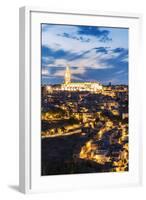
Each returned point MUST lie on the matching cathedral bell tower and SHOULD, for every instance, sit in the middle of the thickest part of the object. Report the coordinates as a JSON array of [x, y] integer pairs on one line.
[[67, 78]]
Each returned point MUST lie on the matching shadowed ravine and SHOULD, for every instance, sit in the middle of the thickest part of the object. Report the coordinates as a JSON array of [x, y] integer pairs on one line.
[[60, 156]]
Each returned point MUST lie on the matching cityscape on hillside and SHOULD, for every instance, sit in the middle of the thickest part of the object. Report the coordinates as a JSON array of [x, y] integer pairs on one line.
[[84, 120]]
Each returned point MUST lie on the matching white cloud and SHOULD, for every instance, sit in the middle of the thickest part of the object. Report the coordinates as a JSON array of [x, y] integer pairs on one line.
[[119, 72], [45, 71], [51, 39], [92, 59]]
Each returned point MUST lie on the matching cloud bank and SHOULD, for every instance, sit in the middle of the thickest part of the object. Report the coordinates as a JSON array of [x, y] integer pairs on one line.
[[93, 53]]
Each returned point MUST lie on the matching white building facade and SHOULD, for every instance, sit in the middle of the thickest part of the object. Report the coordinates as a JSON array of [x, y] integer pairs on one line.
[[78, 86]]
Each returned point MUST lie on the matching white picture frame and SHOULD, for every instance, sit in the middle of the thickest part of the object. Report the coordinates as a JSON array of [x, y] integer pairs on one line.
[[29, 145]]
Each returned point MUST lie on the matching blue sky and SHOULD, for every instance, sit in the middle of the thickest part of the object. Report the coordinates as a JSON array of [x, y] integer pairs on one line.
[[93, 53]]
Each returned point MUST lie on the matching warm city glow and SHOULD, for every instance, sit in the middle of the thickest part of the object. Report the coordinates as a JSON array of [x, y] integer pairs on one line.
[[97, 117]]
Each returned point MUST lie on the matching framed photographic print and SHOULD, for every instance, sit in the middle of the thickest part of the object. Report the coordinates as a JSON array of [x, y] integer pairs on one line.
[[79, 100]]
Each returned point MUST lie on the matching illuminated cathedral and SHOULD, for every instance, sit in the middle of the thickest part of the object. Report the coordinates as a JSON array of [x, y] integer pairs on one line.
[[78, 86]]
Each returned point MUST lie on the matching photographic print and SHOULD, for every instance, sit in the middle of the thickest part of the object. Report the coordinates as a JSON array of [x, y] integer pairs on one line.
[[84, 99]]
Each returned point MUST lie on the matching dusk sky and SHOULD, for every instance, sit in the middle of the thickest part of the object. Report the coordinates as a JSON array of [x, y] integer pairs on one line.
[[93, 53]]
